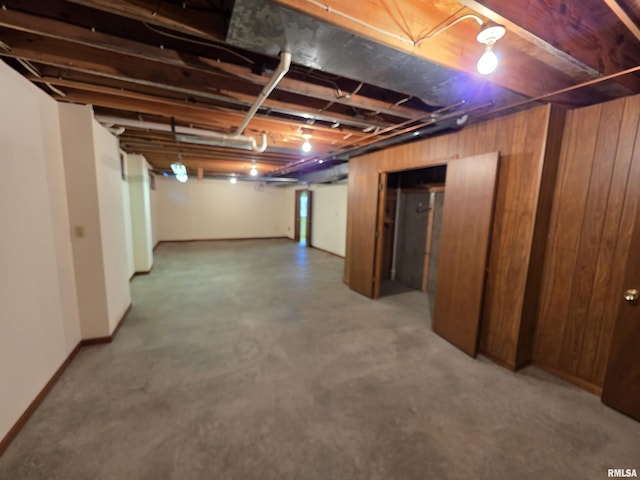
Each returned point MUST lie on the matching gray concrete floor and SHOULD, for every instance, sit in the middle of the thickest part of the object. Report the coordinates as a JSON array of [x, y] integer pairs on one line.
[[251, 360]]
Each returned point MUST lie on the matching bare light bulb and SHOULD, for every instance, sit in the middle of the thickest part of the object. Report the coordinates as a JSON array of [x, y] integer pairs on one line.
[[253, 172], [233, 180], [488, 61], [306, 146]]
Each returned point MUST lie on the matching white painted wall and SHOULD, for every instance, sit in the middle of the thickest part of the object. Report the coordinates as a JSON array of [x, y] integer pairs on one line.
[[97, 209], [113, 196], [140, 203], [153, 199], [80, 172], [128, 221], [39, 321], [329, 218], [216, 209]]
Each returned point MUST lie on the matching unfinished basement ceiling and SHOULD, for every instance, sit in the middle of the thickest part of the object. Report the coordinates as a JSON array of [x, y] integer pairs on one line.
[[264, 27], [352, 86]]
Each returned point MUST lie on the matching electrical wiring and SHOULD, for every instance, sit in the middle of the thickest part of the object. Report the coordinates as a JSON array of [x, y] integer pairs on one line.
[[198, 42]]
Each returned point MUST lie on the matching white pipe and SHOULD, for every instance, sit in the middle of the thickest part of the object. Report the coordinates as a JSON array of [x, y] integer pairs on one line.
[[224, 140], [162, 127], [281, 71]]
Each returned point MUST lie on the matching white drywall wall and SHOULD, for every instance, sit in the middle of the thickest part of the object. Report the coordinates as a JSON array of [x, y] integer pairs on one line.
[[216, 209], [140, 204], [153, 195], [329, 218], [97, 206], [80, 174], [113, 197], [128, 221], [38, 313]]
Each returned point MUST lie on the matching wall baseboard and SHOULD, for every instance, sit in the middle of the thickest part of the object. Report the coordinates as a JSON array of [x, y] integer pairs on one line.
[[498, 361], [281, 237], [327, 251], [141, 273], [33, 406], [578, 382], [109, 338]]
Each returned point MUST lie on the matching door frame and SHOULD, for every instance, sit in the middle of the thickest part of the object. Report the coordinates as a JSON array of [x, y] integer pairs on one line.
[[378, 249], [429, 241], [442, 328], [297, 218], [379, 236]]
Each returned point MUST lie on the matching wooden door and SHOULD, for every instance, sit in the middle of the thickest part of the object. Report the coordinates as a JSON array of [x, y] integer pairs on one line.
[[379, 246], [621, 388], [464, 247], [309, 218]]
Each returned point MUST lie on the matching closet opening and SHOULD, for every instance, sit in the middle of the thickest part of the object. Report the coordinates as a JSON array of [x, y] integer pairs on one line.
[[413, 207]]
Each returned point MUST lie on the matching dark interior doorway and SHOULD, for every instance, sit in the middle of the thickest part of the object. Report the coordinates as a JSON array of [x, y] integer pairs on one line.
[[411, 233]]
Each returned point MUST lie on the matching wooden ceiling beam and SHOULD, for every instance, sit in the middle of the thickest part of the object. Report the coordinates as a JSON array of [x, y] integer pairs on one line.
[[246, 101], [221, 121], [578, 43], [622, 13], [154, 140], [188, 149], [163, 163], [57, 30], [402, 25], [202, 24], [328, 94]]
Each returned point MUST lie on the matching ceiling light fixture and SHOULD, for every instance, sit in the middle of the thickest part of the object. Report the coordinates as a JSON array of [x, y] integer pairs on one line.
[[306, 146], [254, 171], [180, 170], [489, 35], [233, 180]]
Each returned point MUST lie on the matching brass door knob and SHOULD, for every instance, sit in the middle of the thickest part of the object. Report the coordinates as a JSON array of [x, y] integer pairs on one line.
[[631, 295]]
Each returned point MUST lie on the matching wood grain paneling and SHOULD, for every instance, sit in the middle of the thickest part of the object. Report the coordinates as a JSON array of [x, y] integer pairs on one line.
[[466, 232], [545, 199], [361, 227], [590, 230], [379, 251], [521, 139]]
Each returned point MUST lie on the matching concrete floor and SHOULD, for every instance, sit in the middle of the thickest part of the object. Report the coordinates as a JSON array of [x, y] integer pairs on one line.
[[252, 360]]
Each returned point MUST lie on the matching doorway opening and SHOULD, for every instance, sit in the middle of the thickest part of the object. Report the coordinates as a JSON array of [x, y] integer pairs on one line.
[[303, 217], [302, 234], [411, 230]]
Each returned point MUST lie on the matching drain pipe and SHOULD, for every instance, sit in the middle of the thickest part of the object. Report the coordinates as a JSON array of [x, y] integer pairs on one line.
[[281, 71], [189, 134], [201, 136]]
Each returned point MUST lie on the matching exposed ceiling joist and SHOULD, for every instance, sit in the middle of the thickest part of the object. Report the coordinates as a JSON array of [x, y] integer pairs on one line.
[[405, 24], [622, 12], [57, 30], [232, 97], [203, 24], [109, 44], [371, 75], [578, 43]]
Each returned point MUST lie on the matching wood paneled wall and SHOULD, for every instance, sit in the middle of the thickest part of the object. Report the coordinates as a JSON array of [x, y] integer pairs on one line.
[[528, 143], [591, 225]]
